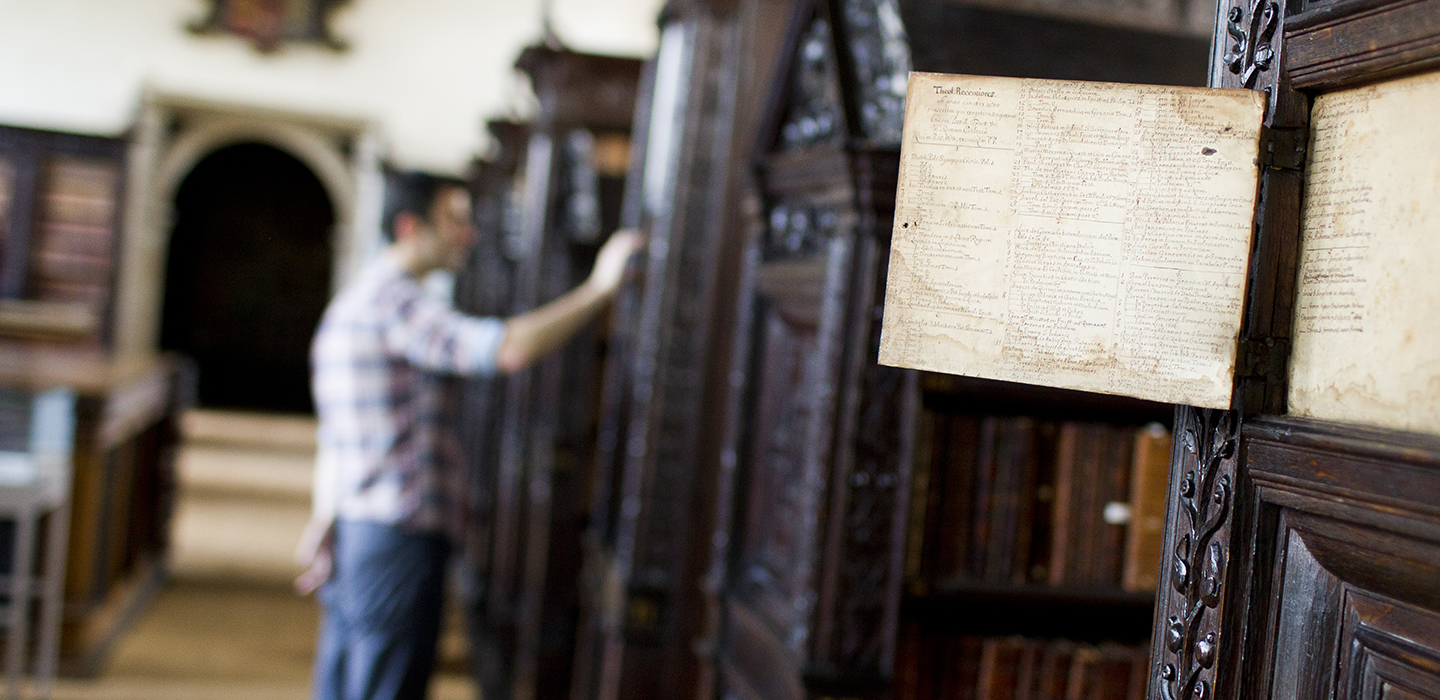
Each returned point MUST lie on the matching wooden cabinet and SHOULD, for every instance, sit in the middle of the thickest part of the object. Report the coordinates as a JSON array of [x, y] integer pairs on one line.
[[766, 505], [820, 435], [61, 199], [818, 508], [1300, 554], [485, 287], [572, 171], [649, 540]]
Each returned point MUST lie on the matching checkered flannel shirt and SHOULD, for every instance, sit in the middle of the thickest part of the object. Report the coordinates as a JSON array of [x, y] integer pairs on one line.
[[387, 450]]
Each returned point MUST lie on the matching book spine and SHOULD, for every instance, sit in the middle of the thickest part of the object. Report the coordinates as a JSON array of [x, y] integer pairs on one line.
[[1055, 670], [1000, 667], [919, 534], [1080, 685], [986, 461], [1115, 510], [1037, 565], [1087, 505], [961, 440], [1149, 488], [1070, 444], [1004, 497], [962, 669], [1023, 521]]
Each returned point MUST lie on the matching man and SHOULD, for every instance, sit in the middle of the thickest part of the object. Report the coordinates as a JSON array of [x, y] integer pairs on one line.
[[389, 484]]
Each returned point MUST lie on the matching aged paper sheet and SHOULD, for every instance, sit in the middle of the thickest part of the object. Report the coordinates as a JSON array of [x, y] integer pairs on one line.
[[1089, 236], [1367, 317]]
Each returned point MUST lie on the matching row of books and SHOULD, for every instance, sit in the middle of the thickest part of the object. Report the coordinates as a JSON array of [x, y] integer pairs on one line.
[[1017, 668], [1013, 500]]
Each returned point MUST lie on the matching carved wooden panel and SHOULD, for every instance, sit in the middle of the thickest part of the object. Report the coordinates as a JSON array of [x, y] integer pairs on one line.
[[654, 503], [595, 664], [821, 438], [781, 538], [549, 425], [649, 559], [879, 64], [1344, 600], [1332, 45], [1176, 17], [814, 114], [855, 636], [486, 286], [1196, 564]]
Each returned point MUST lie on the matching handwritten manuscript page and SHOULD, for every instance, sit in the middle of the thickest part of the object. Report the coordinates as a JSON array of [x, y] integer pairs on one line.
[[1088, 236], [1367, 317]]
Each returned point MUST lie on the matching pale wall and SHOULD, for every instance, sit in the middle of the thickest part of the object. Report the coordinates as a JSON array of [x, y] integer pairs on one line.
[[426, 72]]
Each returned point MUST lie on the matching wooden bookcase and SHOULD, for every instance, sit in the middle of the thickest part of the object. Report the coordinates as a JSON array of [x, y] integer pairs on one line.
[[649, 541], [533, 456], [831, 583], [61, 201], [1017, 563], [797, 546], [485, 287], [1301, 553], [61, 198]]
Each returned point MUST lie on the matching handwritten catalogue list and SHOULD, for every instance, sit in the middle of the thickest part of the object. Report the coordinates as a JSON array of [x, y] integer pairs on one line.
[[1368, 292], [1089, 236]]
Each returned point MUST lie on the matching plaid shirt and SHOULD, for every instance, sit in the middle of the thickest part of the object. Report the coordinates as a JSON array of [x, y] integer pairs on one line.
[[387, 449]]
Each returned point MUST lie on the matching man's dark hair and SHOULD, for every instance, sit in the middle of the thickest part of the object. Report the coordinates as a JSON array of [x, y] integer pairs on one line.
[[411, 191]]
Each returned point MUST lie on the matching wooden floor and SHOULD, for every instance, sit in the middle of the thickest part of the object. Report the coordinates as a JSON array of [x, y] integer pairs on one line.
[[228, 626]]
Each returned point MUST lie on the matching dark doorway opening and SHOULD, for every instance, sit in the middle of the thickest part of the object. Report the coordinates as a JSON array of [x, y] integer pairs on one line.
[[248, 276]]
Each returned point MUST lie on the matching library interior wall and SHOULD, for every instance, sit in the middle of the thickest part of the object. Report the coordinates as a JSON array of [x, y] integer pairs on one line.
[[427, 73]]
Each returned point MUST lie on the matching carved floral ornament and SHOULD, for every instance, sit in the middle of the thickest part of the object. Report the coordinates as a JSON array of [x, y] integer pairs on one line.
[[1252, 52], [1197, 565]]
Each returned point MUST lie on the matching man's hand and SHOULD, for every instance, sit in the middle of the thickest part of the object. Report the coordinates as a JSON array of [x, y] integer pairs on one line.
[[535, 333], [614, 256], [316, 552]]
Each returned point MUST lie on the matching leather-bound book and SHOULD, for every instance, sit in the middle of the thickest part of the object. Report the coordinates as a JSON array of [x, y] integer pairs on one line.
[[1036, 568], [1070, 446], [987, 458], [1054, 674], [1110, 673], [960, 669], [1081, 683], [1139, 673], [924, 507], [1088, 505], [908, 654], [1115, 505], [959, 438], [1011, 500], [1000, 667], [1149, 486], [1028, 673]]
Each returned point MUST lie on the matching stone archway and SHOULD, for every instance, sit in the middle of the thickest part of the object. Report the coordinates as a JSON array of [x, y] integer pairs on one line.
[[174, 134], [248, 275]]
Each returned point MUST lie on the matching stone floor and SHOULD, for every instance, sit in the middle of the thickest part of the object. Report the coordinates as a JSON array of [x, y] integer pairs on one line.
[[228, 626]]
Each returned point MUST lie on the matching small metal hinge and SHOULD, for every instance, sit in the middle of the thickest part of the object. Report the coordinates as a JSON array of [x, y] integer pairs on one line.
[[1284, 149]]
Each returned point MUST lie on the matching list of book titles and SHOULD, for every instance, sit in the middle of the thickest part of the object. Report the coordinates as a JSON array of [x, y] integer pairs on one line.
[[1085, 235]]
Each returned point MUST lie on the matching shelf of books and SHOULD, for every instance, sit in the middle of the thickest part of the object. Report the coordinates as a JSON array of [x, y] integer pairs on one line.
[[1034, 545]]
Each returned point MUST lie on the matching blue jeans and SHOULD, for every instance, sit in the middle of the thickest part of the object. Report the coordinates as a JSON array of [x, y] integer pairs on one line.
[[381, 613]]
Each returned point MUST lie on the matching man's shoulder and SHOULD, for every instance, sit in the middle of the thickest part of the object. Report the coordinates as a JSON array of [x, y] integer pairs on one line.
[[379, 285]]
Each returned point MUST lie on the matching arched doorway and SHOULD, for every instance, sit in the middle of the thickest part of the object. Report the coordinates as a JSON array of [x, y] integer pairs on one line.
[[248, 276]]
